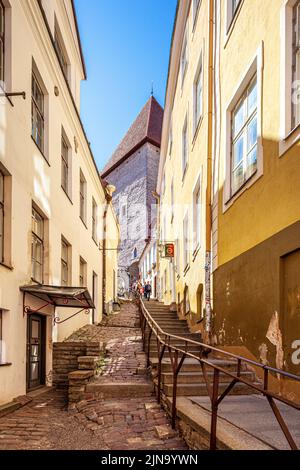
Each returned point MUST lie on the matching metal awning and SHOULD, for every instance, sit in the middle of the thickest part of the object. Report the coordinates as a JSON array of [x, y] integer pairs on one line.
[[58, 296]]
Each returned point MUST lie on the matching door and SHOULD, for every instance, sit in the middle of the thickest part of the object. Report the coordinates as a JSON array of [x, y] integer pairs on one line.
[[35, 351], [291, 310], [94, 296]]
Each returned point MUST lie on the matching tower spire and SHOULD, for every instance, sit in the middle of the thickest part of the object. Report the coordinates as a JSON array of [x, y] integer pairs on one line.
[[152, 89]]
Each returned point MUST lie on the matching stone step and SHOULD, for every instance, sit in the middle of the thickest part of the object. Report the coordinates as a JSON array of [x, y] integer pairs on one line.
[[199, 389], [192, 336], [191, 349], [117, 389], [192, 365], [198, 377]]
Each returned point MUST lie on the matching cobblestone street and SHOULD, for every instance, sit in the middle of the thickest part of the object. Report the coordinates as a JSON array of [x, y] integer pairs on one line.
[[99, 424]]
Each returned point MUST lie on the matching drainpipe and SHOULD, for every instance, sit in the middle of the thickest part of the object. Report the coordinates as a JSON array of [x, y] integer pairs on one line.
[[208, 307]]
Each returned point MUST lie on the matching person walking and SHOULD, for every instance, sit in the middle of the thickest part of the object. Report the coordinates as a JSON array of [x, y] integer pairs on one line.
[[148, 290]]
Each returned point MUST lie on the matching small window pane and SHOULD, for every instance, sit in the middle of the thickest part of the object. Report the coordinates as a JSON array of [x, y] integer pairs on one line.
[[238, 178], [238, 151], [251, 163], [238, 119], [252, 133], [252, 99]]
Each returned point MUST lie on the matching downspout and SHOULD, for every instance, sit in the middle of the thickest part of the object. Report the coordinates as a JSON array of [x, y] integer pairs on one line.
[[208, 307], [157, 198]]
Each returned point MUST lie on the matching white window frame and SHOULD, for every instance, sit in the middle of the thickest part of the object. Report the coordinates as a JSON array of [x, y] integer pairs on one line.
[[82, 272], [82, 197], [196, 7], [186, 241], [199, 72], [288, 135], [94, 220], [231, 15], [185, 132], [255, 66], [184, 52]]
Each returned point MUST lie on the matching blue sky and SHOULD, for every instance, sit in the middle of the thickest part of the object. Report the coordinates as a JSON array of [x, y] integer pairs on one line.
[[126, 44]]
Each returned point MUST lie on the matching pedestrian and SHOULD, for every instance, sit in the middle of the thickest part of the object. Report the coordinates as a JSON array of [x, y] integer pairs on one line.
[[148, 290]]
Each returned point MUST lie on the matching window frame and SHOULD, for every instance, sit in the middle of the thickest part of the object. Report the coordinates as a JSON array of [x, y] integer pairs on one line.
[[254, 67], [82, 272], [94, 220], [197, 215], [199, 76], [39, 112], [185, 232], [37, 239], [184, 54], [82, 197], [65, 263], [65, 164], [185, 140], [61, 52], [243, 132]]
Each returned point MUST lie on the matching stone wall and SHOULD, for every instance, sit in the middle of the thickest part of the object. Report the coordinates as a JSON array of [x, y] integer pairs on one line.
[[65, 359], [135, 180]]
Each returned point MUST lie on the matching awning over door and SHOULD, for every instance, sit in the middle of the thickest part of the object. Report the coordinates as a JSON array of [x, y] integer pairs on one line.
[[72, 297]]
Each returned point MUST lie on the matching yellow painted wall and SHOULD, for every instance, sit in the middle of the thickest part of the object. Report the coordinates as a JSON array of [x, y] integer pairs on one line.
[[197, 34], [273, 202]]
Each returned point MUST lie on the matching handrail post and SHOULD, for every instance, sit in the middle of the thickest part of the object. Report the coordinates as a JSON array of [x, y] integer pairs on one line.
[[160, 357], [148, 347], [214, 411], [175, 374]]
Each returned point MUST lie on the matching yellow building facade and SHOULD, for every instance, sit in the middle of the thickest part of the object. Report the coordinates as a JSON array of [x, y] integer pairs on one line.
[[249, 139]]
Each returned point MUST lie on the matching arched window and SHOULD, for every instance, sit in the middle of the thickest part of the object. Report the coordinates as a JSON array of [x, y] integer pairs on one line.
[[186, 301]]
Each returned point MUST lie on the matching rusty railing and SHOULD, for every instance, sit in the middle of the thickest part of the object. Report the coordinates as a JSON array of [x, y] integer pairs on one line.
[[177, 357]]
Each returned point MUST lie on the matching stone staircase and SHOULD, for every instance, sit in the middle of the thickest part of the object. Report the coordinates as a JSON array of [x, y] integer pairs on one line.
[[190, 381]]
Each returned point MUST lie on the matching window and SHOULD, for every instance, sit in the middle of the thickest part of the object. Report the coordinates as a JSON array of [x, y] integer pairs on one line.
[[235, 4], [170, 138], [94, 220], [65, 262], [196, 4], [165, 281], [296, 66], [197, 215], [2, 179], [2, 42], [184, 57], [37, 246], [61, 51], [244, 138], [37, 113], [82, 197], [172, 201], [177, 247], [198, 96], [184, 147], [186, 241], [64, 165], [82, 273]]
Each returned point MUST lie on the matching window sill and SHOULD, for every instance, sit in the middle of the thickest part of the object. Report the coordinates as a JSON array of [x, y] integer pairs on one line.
[[84, 223], [186, 269], [5, 364], [291, 139], [246, 186], [7, 266], [42, 153], [67, 195]]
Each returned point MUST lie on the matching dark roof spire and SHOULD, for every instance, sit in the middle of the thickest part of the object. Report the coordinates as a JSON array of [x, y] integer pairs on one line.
[[146, 128]]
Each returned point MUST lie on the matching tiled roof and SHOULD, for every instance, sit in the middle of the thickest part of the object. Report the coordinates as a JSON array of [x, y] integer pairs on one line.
[[146, 127]]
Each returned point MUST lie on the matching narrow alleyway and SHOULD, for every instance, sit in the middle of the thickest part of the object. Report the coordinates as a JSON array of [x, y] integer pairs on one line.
[[108, 423]]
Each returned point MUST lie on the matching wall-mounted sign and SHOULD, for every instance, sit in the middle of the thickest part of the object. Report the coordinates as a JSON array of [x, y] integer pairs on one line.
[[169, 250]]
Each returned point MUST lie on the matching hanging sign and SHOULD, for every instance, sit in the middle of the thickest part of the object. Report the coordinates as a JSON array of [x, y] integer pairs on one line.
[[169, 250]]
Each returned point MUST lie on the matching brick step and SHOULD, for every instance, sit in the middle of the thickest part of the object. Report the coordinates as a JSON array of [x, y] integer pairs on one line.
[[192, 365], [198, 377], [193, 390]]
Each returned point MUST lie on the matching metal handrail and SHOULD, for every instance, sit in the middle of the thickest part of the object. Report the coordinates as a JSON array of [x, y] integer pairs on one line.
[[164, 341]]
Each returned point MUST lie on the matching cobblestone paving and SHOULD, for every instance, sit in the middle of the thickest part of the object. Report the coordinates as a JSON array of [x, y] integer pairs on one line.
[[109, 424]]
